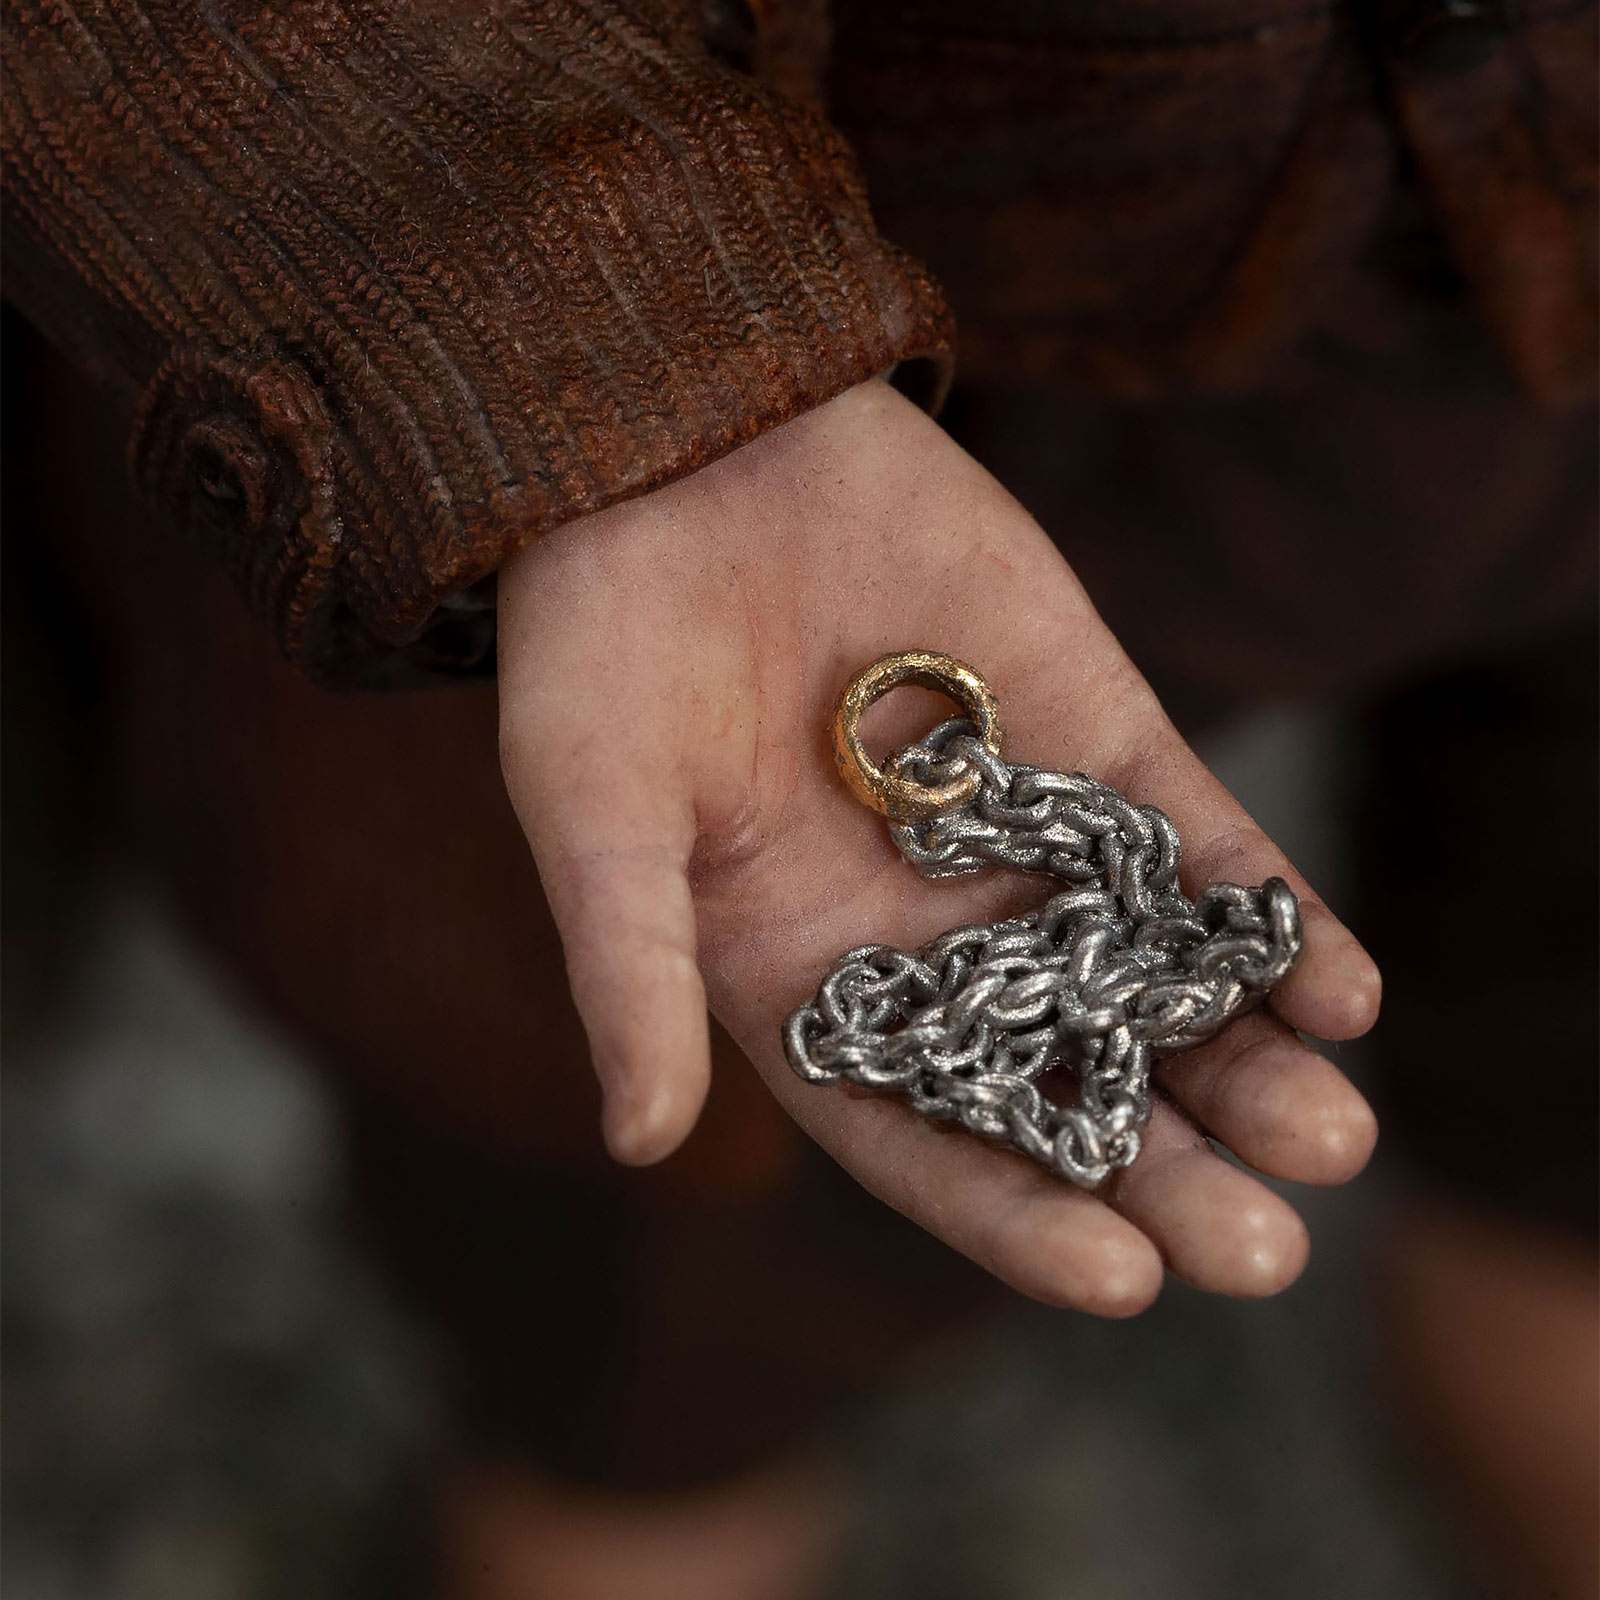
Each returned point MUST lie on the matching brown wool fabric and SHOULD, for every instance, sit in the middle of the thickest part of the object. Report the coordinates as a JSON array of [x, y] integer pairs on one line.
[[393, 288]]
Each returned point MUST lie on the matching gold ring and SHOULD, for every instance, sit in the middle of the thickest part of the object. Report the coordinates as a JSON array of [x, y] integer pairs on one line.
[[900, 799]]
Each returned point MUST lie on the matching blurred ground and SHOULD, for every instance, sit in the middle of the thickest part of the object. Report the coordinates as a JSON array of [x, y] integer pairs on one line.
[[209, 1399], [206, 1397]]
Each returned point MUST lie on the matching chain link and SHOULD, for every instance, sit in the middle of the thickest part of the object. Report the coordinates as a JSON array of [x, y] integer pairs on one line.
[[1119, 968]]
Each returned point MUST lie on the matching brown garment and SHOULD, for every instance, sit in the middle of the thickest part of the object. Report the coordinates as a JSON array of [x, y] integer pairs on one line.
[[1153, 198], [393, 288]]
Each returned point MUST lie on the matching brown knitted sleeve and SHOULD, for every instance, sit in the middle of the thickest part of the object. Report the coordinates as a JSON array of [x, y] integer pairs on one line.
[[391, 288]]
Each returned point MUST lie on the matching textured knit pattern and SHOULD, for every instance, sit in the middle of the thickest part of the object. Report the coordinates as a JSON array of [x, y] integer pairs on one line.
[[394, 288]]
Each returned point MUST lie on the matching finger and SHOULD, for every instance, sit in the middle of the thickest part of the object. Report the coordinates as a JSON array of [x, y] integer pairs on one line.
[[1334, 989], [1276, 1104], [612, 855], [1215, 1226], [1034, 1232]]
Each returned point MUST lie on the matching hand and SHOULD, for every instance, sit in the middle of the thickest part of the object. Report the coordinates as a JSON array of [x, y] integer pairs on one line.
[[668, 670]]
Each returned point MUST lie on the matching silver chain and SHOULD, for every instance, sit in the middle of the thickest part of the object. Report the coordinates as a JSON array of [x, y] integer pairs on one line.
[[1118, 969]]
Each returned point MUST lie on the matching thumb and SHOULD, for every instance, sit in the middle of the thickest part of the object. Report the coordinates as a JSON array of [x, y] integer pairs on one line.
[[612, 849]]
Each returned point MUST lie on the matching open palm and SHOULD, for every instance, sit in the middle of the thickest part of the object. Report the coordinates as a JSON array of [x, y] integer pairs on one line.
[[668, 670]]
